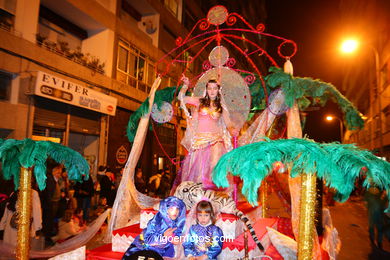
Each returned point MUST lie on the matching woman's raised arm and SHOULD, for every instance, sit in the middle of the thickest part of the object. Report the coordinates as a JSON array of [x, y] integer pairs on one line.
[[186, 99]]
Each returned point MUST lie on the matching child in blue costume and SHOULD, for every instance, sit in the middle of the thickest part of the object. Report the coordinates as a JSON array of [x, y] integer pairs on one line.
[[204, 238], [161, 230]]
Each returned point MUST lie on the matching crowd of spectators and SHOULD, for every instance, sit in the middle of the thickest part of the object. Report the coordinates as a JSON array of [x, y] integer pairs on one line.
[[65, 208]]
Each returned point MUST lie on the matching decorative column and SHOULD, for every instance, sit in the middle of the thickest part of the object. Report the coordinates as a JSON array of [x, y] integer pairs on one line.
[[263, 197], [306, 217], [24, 212]]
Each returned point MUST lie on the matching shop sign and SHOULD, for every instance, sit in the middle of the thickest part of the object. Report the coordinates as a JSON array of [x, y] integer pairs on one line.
[[59, 89], [121, 155]]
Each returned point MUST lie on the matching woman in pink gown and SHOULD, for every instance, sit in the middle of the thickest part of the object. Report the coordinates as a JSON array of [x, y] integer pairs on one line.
[[206, 137]]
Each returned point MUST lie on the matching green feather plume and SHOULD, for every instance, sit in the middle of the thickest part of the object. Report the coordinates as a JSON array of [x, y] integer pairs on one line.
[[338, 164], [301, 89], [167, 94], [28, 153]]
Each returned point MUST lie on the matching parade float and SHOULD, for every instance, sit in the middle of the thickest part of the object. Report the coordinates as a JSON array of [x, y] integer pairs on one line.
[[262, 107], [265, 105]]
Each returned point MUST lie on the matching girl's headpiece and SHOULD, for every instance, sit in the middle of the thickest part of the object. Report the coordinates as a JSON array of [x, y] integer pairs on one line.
[[173, 202]]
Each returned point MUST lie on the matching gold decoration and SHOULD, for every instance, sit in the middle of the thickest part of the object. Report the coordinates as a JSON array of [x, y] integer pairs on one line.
[[203, 140], [24, 209], [246, 256], [218, 56], [306, 217], [263, 196], [217, 15]]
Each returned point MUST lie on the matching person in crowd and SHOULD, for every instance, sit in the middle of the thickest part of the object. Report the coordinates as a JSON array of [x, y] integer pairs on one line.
[[64, 204], [140, 182], [9, 221], [67, 227], [376, 204], [72, 200], [7, 187], [57, 173], [107, 187], [118, 177], [154, 183], [101, 207], [207, 137], [50, 198], [63, 182], [165, 184], [78, 217], [83, 192], [166, 226], [101, 172], [204, 240]]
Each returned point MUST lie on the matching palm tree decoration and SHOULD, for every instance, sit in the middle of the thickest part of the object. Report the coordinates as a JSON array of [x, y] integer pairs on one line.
[[18, 158], [308, 92], [337, 164]]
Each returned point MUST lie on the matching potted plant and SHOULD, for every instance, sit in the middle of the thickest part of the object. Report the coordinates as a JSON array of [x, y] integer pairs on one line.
[[77, 55], [63, 48], [40, 39]]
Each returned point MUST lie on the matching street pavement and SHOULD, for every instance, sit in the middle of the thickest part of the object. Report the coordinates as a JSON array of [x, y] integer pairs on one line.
[[351, 221]]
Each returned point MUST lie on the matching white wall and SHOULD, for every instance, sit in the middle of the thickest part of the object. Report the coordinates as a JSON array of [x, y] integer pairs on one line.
[[101, 45], [108, 4], [26, 19], [148, 24]]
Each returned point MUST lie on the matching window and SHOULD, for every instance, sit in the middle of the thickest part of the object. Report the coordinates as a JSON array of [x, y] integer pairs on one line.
[[160, 163], [6, 20], [134, 67], [5, 85], [151, 76], [172, 6], [123, 56]]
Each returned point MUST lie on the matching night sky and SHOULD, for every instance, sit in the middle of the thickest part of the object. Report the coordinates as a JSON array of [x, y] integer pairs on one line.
[[315, 27]]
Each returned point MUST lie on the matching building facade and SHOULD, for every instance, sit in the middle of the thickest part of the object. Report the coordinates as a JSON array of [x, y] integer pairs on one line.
[[73, 72], [367, 74]]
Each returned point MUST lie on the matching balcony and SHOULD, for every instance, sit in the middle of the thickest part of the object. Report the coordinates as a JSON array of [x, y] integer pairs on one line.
[[62, 48]]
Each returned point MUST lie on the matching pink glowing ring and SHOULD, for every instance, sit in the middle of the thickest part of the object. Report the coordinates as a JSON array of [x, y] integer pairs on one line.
[[217, 15], [260, 28], [231, 20], [179, 41], [204, 25], [206, 65], [231, 62], [294, 45], [250, 79]]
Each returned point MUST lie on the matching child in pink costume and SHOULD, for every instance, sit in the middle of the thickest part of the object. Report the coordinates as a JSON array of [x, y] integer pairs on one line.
[[206, 137]]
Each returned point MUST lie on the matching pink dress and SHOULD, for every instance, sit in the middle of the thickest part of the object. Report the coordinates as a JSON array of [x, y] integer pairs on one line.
[[206, 140]]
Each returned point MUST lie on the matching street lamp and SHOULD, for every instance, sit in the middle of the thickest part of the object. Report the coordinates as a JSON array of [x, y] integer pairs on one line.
[[330, 119], [350, 46]]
